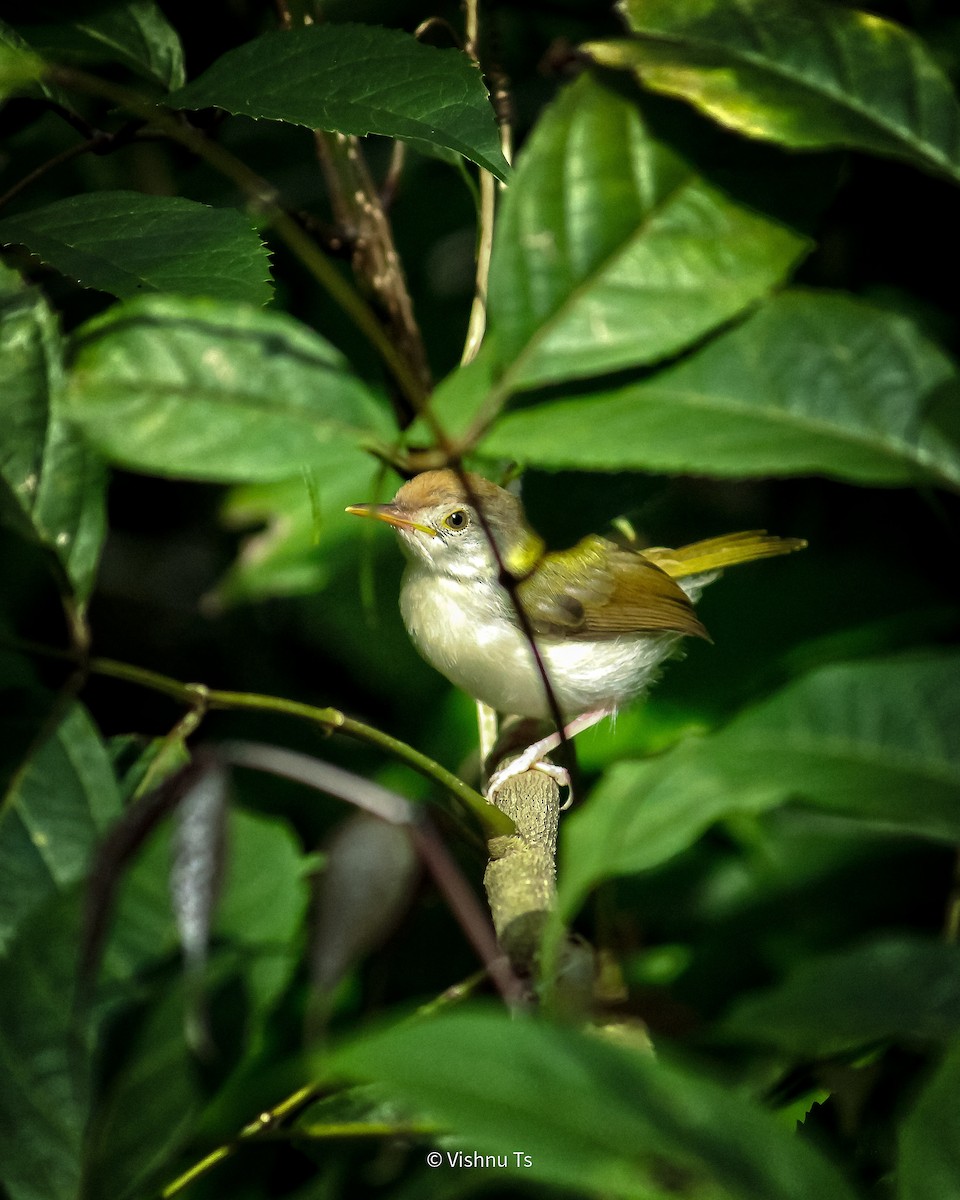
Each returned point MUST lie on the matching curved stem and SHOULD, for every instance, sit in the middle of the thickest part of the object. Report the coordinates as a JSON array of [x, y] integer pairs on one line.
[[329, 719]]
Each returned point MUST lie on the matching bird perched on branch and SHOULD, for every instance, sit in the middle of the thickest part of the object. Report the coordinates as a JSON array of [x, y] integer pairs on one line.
[[480, 586]]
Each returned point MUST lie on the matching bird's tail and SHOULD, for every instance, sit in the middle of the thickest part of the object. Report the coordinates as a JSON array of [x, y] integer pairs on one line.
[[726, 551]]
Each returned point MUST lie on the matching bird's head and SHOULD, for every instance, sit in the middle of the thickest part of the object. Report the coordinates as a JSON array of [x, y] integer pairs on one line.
[[445, 521]]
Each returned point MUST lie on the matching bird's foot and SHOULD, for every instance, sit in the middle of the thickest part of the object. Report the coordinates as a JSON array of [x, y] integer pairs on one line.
[[530, 760], [534, 757]]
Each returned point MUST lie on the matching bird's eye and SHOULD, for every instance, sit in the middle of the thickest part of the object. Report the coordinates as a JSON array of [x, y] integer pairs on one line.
[[456, 520]]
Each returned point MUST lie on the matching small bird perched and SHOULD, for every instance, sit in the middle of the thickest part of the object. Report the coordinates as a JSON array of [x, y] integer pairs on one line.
[[604, 615]]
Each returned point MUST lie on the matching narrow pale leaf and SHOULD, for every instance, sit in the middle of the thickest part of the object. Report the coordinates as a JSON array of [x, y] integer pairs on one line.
[[203, 389], [56, 810], [612, 252], [369, 871], [877, 740], [930, 1136], [356, 79], [811, 383], [197, 869], [134, 33], [629, 1125], [127, 244], [798, 72], [52, 486]]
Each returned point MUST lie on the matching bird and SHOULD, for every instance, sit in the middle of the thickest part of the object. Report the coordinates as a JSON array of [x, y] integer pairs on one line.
[[480, 586]]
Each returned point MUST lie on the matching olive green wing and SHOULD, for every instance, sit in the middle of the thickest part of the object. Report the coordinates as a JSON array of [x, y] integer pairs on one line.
[[598, 589]]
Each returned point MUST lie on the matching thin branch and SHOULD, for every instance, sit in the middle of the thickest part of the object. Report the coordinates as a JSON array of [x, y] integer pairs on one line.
[[471, 917], [396, 810], [263, 1124], [51, 164], [359, 211]]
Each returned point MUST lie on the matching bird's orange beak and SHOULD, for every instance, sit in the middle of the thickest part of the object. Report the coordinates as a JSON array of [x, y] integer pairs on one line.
[[390, 514]]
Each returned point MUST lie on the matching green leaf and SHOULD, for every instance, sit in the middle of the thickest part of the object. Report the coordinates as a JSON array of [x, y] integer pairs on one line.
[[628, 1125], [812, 382], [52, 486], [156, 1092], [20, 69], [45, 1058], [126, 243], [356, 79], [259, 913], [877, 740], [930, 1136], [149, 1108], [893, 987], [135, 34], [797, 72], [612, 252], [264, 903], [58, 805], [302, 526], [203, 389]]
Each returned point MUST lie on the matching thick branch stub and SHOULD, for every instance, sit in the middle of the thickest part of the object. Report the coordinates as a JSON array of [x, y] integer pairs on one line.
[[521, 876]]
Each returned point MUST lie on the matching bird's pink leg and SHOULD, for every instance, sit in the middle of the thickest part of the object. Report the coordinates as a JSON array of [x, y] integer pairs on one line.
[[534, 757]]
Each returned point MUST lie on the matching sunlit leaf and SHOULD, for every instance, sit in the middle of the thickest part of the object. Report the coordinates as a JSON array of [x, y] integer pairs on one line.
[[876, 739], [811, 383], [52, 485], [798, 72], [629, 1125], [294, 529], [356, 79], [57, 808], [20, 69], [203, 389], [612, 252], [128, 244]]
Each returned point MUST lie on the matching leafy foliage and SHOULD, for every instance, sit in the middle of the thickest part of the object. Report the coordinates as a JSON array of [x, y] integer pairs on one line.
[[717, 300]]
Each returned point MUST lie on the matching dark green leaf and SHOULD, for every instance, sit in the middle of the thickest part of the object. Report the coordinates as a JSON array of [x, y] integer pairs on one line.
[[930, 1137], [356, 79], [51, 485], [875, 739], [134, 33], [59, 804], [813, 382], [624, 1124], [45, 1057], [798, 72], [202, 389], [156, 1092], [154, 1096], [612, 252], [891, 988], [126, 243]]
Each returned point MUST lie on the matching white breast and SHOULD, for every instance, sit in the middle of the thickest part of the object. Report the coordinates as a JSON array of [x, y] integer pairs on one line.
[[465, 630]]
